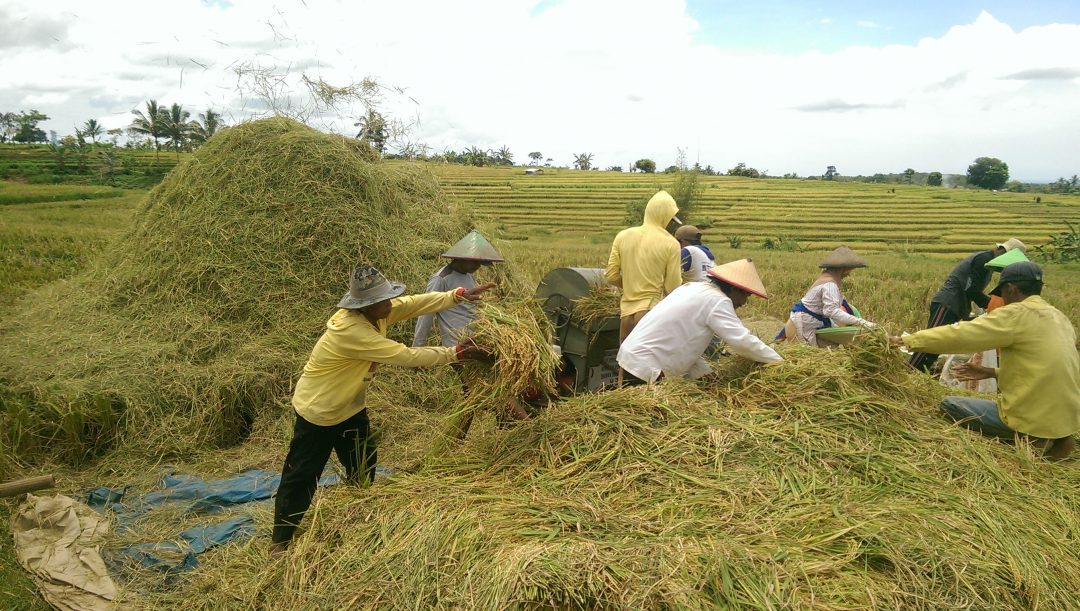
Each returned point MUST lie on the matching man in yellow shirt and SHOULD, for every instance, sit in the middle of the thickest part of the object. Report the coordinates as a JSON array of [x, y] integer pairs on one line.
[[329, 396], [1039, 376], [645, 262]]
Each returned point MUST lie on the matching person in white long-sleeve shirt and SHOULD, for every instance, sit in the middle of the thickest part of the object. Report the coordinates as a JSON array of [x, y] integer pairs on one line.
[[671, 339], [824, 305]]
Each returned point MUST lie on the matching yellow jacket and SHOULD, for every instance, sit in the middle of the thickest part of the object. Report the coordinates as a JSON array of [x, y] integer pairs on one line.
[[644, 260], [337, 373], [1039, 376]]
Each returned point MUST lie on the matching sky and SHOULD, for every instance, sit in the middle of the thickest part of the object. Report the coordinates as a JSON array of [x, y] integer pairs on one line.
[[784, 87]]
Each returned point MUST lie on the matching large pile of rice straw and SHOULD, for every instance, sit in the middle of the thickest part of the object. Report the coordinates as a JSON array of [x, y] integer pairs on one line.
[[200, 318], [826, 482]]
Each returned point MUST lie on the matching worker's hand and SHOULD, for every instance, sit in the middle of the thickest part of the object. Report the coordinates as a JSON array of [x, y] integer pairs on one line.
[[896, 340], [473, 294], [468, 350], [969, 372]]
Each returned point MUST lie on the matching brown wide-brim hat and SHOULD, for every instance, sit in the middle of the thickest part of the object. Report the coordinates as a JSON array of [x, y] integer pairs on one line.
[[842, 257], [740, 274], [474, 247]]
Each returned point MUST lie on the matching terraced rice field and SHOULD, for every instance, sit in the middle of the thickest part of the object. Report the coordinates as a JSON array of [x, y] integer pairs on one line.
[[816, 214]]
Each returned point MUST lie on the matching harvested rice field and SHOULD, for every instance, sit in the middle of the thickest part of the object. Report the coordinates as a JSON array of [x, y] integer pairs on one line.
[[151, 333]]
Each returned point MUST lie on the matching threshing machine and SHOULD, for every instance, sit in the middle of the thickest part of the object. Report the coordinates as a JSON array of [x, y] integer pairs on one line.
[[590, 349]]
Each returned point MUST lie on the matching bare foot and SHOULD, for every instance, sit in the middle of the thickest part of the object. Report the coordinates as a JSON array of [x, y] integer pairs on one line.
[[277, 550]]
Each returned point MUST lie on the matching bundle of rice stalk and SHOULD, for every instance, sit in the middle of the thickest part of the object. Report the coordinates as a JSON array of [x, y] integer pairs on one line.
[[808, 484], [600, 303], [518, 335]]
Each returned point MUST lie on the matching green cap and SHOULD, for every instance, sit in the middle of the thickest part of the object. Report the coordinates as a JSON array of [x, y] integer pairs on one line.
[[474, 247], [1013, 256]]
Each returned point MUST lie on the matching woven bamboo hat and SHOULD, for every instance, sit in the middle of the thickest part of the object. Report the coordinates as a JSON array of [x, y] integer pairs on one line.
[[741, 274], [474, 247], [842, 257]]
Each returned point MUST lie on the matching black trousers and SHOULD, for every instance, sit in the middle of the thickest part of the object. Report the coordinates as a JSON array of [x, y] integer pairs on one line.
[[940, 315], [309, 450]]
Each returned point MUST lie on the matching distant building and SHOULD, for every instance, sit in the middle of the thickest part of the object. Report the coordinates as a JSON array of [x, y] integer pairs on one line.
[[534, 170]]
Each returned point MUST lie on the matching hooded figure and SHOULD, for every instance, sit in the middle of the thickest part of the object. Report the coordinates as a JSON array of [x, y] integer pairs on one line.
[[645, 262]]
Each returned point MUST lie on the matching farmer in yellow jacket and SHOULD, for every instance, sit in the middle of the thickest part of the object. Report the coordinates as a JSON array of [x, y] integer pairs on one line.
[[645, 262], [1039, 376], [329, 397]]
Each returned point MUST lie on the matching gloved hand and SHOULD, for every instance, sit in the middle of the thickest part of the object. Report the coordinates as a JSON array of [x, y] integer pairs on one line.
[[869, 325], [468, 350]]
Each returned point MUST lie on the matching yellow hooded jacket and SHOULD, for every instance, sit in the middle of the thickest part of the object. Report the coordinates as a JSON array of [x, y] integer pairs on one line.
[[336, 376], [644, 260], [1039, 375]]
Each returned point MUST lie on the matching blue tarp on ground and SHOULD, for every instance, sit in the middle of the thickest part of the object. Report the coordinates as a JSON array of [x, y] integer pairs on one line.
[[191, 495]]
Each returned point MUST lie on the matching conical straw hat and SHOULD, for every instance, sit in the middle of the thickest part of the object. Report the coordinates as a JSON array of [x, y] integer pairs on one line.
[[740, 274], [473, 247], [1013, 256], [842, 257]]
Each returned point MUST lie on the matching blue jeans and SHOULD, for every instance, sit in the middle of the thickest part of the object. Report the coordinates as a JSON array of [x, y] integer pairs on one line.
[[978, 415]]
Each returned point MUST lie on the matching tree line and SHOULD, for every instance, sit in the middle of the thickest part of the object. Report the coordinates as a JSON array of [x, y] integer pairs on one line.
[[171, 127]]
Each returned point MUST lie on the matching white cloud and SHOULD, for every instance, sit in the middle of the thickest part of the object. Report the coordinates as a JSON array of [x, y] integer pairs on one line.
[[867, 24], [825, 20], [620, 79]]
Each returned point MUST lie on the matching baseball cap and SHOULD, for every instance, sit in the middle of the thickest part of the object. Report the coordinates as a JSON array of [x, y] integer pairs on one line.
[[1018, 272]]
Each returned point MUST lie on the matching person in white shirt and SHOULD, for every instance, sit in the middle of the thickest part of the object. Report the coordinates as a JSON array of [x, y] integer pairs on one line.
[[671, 338], [824, 306], [696, 258]]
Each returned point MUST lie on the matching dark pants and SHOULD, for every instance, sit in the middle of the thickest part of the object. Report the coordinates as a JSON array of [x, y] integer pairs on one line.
[[308, 452], [940, 315]]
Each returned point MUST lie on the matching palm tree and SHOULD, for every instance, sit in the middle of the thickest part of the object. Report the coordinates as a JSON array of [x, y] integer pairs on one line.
[[207, 125], [583, 161], [91, 128], [149, 124], [503, 156], [373, 130], [177, 127]]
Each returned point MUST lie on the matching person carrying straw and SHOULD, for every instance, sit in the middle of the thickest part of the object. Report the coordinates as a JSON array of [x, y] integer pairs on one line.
[[329, 397]]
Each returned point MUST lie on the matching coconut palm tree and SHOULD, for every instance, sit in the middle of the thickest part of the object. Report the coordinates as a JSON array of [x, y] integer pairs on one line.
[[373, 130], [176, 127], [503, 156], [205, 126], [92, 129], [150, 124]]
